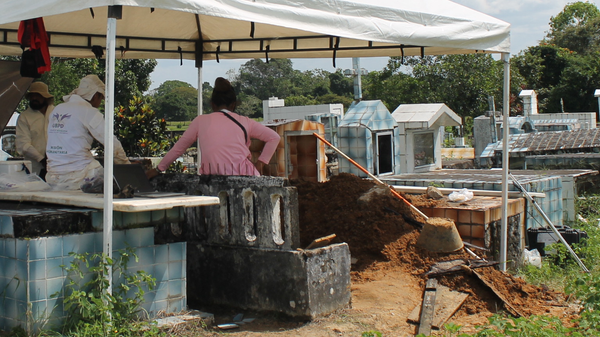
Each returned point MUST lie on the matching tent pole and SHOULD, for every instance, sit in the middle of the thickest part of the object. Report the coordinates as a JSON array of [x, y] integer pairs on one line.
[[505, 161], [200, 104], [109, 104]]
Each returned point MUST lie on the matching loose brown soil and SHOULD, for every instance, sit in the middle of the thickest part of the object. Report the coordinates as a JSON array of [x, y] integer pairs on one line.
[[388, 266]]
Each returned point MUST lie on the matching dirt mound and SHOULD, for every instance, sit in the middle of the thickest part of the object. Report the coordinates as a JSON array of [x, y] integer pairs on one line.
[[382, 231]]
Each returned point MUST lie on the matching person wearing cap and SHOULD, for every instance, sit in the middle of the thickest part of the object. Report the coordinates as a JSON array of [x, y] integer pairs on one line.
[[224, 138], [72, 127], [32, 125]]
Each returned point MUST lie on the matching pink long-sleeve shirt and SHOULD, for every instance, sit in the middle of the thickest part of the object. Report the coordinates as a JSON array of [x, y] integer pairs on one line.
[[222, 144]]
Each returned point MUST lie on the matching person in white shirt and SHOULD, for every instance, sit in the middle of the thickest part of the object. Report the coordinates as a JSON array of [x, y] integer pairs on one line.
[[32, 126], [72, 127]]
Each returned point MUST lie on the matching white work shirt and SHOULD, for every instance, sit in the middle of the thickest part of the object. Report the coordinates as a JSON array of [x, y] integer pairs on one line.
[[31, 135], [71, 129]]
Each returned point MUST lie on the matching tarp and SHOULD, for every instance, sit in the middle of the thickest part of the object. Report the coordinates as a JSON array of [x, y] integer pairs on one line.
[[12, 88], [259, 28]]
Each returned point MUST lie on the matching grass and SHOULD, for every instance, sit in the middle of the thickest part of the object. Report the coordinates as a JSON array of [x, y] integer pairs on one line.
[[178, 125]]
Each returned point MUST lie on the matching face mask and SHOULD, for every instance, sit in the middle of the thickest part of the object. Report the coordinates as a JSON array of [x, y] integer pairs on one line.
[[36, 105]]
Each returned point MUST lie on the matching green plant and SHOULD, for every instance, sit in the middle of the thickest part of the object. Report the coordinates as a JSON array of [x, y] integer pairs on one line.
[[92, 309], [371, 333], [140, 131]]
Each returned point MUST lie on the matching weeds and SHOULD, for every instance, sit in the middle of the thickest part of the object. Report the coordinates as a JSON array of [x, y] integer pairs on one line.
[[94, 311]]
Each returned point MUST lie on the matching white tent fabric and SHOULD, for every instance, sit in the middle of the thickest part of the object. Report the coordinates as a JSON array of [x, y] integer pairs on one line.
[[213, 29], [251, 29]]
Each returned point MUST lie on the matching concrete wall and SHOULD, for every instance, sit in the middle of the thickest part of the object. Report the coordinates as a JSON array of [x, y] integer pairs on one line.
[[254, 211], [299, 112]]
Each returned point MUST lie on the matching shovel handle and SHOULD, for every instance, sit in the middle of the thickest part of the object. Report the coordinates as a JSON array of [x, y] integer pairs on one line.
[[377, 180]]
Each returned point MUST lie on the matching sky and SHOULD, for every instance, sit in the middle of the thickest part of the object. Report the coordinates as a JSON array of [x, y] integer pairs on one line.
[[528, 18]]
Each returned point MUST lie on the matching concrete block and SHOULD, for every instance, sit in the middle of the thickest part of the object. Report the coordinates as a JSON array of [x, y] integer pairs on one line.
[[251, 210], [305, 284]]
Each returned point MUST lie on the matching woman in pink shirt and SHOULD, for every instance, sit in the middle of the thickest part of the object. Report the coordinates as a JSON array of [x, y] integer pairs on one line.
[[224, 138]]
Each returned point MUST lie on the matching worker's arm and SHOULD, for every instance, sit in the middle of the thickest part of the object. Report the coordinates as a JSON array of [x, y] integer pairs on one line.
[[23, 141], [267, 135], [96, 129]]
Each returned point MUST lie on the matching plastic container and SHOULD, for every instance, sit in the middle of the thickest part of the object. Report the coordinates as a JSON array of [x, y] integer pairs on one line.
[[10, 166], [540, 237]]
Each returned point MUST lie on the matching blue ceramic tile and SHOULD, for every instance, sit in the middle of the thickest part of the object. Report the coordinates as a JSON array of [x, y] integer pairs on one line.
[[37, 270], [54, 247], [9, 267], [158, 216], [161, 272], [161, 253], [176, 251], [146, 235], [176, 270], [37, 249], [175, 288], [16, 289], [2, 247], [132, 237], [54, 267], [130, 219], [37, 290], [99, 242], [144, 217], [146, 256], [172, 215], [3, 283], [176, 305], [10, 308], [22, 247], [6, 225], [119, 240], [70, 244], [117, 219], [86, 243], [54, 286], [22, 271], [97, 220], [158, 306]]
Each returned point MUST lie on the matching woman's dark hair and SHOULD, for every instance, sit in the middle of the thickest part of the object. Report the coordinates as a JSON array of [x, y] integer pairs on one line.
[[223, 93]]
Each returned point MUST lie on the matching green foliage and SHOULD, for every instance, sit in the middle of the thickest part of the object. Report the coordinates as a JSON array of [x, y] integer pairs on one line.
[[93, 311], [176, 101], [574, 14], [371, 333], [140, 131], [564, 68], [132, 77]]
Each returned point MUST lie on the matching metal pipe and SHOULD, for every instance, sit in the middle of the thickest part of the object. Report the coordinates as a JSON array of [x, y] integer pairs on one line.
[[549, 222], [505, 161], [377, 181]]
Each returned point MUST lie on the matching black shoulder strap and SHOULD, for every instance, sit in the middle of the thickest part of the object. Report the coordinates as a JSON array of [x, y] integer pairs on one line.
[[238, 123]]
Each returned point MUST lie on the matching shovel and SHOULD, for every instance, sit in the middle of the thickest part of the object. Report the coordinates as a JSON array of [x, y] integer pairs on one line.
[[438, 235]]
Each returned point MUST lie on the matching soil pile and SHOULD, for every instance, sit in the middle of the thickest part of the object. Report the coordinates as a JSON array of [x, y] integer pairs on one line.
[[382, 231]]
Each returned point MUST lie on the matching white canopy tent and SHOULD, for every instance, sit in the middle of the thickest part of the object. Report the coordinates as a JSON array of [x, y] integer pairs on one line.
[[218, 29]]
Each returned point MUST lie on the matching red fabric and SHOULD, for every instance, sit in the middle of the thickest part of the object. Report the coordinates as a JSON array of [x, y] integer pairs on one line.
[[32, 34]]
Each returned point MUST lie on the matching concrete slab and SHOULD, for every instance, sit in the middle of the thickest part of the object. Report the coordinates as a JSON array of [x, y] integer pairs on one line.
[[298, 283]]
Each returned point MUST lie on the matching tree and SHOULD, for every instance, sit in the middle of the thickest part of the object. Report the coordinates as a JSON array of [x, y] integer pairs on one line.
[[463, 82], [176, 101], [263, 80], [132, 77], [564, 69], [573, 15], [141, 132]]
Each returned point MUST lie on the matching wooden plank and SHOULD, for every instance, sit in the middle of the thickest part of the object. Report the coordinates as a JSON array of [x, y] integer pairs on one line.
[[321, 242], [137, 204], [428, 307], [447, 302], [512, 310]]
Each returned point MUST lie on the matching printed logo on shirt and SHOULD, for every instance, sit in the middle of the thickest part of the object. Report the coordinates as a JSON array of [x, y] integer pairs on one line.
[[57, 120]]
